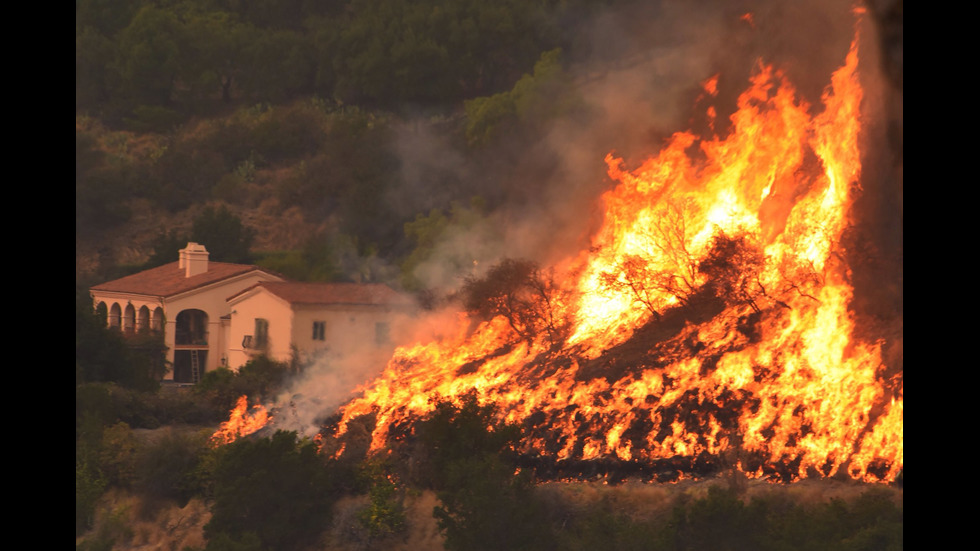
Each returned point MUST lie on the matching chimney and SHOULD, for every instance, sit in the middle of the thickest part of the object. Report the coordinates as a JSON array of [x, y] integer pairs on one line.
[[193, 259]]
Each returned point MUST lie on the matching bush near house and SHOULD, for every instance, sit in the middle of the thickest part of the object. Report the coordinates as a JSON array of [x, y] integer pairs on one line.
[[258, 379], [277, 490], [485, 505], [104, 355]]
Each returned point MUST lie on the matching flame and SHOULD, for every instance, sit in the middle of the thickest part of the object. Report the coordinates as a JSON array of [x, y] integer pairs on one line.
[[241, 423], [725, 248]]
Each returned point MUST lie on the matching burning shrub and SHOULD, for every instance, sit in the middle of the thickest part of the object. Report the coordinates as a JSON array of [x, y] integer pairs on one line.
[[260, 378], [523, 294], [636, 277], [732, 268], [663, 271]]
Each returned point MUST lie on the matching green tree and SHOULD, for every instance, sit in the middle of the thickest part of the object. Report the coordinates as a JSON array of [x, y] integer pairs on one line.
[[536, 98], [397, 53], [280, 66], [214, 56], [348, 178], [117, 455], [384, 516], [166, 248], [223, 233], [103, 354], [150, 55], [427, 231], [316, 261], [260, 378], [523, 294], [485, 505], [172, 466], [101, 189], [93, 59], [89, 486], [277, 489]]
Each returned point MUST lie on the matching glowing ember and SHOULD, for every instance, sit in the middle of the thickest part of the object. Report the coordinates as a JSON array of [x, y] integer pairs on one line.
[[241, 423]]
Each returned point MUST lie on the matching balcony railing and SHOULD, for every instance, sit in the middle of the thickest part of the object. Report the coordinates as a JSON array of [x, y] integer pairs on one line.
[[191, 338]]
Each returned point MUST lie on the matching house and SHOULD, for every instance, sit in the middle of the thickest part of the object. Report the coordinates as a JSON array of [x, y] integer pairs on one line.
[[186, 301], [214, 314], [286, 319]]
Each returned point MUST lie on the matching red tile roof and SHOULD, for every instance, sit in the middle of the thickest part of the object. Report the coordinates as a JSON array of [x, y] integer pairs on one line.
[[168, 280], [336, 293]]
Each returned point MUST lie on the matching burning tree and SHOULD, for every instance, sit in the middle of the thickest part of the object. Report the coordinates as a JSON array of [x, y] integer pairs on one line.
[[519, 291], [732, 269]]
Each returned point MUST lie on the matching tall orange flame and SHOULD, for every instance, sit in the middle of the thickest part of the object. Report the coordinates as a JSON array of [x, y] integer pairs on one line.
[[742, 239]]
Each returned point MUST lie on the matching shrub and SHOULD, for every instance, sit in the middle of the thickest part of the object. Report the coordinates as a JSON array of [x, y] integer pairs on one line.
[[384, 515], [89, 485], [227, 239], [118, 453], [276, 488], [260, 379], [485, 505], [171, 467], [103, 355]]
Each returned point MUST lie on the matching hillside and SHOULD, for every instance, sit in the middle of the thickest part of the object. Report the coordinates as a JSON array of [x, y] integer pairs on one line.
[[658, 248], [633, 506]]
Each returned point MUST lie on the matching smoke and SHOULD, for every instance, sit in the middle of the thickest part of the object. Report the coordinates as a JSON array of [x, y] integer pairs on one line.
[[333, 377], [635, 75], [330, 378]]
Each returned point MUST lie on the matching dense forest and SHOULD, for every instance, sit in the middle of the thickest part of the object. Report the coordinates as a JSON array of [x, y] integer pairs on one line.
[[363, 129], [397, 141]]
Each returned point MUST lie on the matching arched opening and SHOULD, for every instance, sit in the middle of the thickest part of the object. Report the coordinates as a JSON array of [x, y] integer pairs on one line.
[[191, 341], [157, 321], [129, 319], [115, 316], [143, 320], [102, 312], [192, 328]]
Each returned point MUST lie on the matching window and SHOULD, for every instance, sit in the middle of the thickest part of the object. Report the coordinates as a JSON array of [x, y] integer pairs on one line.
[[261, 333], [319, 330], [382, 333]]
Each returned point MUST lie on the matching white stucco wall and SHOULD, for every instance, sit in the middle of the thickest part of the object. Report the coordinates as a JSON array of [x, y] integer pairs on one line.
[[349, 329], [213, 300], [253, 305]]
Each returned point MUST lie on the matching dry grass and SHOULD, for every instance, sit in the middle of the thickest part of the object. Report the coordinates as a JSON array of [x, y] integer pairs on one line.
[[643, 501], [421, 532], [138, 525], [134, 524]]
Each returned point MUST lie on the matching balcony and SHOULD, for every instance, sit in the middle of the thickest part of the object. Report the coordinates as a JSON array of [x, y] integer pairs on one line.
[[191, 338], [191, 329]]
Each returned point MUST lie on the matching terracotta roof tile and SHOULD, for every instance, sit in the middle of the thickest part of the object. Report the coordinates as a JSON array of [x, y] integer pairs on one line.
[[168, 280], [336, 293]]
